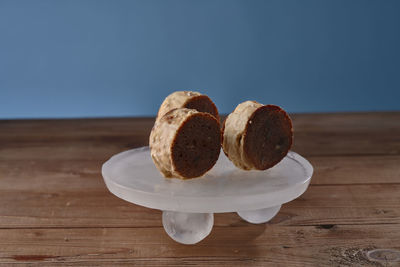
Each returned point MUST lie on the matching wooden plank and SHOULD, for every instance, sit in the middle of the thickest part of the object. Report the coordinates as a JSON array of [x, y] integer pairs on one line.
[[56, 209], [58, 193], [339, 204], [347, 133], [82, 139], [315, 134], [74, 129], [356, 170], [346, 121], [96, 148], [84, 174], [51, 175], [255, 244]]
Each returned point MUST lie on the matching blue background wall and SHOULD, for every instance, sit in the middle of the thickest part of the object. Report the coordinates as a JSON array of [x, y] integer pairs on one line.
[[121, 58]]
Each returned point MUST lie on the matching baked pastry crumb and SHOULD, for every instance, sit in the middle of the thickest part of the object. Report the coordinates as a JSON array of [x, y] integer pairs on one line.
[[185, 143], [257, 136]]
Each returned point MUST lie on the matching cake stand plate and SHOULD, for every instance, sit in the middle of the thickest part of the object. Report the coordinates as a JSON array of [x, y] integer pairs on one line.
[[189, 205]]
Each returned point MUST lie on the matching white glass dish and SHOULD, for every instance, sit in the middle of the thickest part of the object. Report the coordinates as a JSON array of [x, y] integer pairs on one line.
[[188, 205]]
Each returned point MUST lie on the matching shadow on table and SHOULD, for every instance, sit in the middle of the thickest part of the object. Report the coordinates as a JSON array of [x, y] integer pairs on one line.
[[231, 240]]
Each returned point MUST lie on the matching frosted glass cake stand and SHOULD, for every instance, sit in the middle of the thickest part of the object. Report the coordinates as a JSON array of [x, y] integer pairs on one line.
[[189, 205]]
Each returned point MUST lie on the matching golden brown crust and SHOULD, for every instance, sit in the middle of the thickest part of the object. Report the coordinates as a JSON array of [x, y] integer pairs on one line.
[[222, 135], [188, 99], [234, 127]]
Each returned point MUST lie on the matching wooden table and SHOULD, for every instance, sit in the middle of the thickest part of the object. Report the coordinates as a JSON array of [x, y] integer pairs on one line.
[[55, 207]]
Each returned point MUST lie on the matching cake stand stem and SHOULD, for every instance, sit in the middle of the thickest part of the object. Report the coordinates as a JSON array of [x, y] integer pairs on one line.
[[187, 228], [259, 216]]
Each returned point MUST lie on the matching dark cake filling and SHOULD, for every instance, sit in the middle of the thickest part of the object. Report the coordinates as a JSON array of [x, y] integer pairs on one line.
[[203, 104], [196, 145], [268, 136]]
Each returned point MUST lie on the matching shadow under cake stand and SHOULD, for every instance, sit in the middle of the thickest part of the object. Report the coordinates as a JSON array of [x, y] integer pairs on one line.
[[189, 205]]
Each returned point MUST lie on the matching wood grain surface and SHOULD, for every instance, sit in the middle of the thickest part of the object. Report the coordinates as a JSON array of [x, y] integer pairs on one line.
[[55, 208]]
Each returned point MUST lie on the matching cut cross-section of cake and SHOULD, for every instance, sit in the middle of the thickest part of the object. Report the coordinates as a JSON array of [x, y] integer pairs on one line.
[[257, 136], [185, 143]]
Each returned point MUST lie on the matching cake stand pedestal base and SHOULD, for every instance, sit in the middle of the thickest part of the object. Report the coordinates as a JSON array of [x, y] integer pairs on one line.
[[190, 228], [259, 216], [187, 228]]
